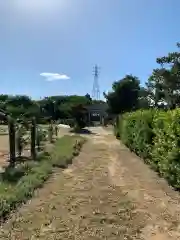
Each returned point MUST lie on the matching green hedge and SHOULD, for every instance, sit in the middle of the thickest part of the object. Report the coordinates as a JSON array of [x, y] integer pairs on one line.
[[18, 184], [154, 135]]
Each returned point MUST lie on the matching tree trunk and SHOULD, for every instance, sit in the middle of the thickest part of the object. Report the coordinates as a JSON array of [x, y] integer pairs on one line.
[[12, 141], [33, 139]]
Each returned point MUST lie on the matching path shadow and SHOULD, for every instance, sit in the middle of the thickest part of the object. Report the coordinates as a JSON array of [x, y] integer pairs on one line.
[[22, 159], [83, 131]]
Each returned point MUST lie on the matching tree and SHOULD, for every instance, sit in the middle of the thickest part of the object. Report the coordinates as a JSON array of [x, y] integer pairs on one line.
[[88, 98], [79, 113], [143, 100], [46, 109], [124, 95], [164, 83], [155, 88]]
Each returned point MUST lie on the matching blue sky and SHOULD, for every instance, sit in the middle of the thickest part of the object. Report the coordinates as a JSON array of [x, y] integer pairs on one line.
[[49, 47]]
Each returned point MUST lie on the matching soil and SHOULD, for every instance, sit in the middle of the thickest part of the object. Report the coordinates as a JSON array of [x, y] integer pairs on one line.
[[4, 148], [107, 193]]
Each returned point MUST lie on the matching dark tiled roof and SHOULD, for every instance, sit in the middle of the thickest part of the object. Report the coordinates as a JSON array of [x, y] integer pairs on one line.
[[97, 106]]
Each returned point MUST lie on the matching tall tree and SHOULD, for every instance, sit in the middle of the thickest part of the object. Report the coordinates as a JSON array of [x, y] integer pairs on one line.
[[164, 83], [155, 88], [124, 95], [143, 99]]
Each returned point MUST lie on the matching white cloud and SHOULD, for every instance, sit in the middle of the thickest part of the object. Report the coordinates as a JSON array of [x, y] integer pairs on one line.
[[54, 76]]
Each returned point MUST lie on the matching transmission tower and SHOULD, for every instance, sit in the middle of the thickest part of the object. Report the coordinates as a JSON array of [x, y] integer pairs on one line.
[[96, 89]]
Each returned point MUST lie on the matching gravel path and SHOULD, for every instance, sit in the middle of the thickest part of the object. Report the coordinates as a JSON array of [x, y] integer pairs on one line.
[[108, 193]]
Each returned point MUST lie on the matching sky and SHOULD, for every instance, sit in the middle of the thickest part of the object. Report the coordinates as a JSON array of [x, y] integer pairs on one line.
[[49, 47]]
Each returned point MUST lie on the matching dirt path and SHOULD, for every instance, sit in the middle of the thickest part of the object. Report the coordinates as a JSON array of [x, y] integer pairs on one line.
[[151, 194], [108, 193]]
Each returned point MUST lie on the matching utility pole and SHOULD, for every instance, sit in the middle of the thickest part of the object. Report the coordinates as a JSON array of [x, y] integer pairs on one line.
[[96, 88]]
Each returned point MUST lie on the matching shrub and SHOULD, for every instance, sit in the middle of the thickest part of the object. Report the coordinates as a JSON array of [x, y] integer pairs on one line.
[[135, 130], [166, 151], [18, 184], [155, 136], [79, 113], [65, 150]]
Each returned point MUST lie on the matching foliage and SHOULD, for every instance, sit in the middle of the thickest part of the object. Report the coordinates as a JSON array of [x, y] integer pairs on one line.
[[21, 139], [33, 139], [79, 113], [41, 137], [18, 184], [124, 96], [160, 91], [166, 150], [50, 133], [135, 130], [44, 110], [155, 136], [64, 152], [164, 83]]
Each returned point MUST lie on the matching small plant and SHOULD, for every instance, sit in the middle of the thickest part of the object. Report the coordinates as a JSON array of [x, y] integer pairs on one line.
[[40, 137], [77, 146], [79, 114], [21, 141], [56, 130], [33, 139], [50, 133]]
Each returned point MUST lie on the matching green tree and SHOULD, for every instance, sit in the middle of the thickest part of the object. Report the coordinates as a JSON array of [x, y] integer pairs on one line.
[[143, 99], [164, 83], [46, 109], [79, 113], [124, 95], [155, 88]]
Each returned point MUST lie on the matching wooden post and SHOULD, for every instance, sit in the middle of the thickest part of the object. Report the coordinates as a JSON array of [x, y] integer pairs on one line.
[[56, 130], [89, 118], [12, 141], [50, 132], [33, 139], [38, 139]]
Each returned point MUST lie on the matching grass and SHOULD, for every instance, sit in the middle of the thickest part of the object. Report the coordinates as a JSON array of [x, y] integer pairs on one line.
[[18, 184], [63, 152], [3, 130]]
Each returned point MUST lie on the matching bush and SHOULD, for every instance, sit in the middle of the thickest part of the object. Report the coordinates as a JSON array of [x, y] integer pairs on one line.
[[30, 176], [155, 136], [135, 130], [166, 150], [64, 150]]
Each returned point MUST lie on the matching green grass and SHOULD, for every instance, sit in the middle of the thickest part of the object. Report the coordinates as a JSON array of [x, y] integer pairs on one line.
[[64, 151], [3, 130], [18, 184]]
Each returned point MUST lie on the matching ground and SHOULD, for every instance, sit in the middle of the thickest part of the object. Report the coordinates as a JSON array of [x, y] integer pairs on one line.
[[4, 144], [107, 193]]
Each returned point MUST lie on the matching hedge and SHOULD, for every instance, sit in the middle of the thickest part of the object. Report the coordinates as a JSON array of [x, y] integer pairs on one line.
[[154, 135]]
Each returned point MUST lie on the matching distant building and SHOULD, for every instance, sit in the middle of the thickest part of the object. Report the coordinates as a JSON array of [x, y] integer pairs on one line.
[[96, 113]]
